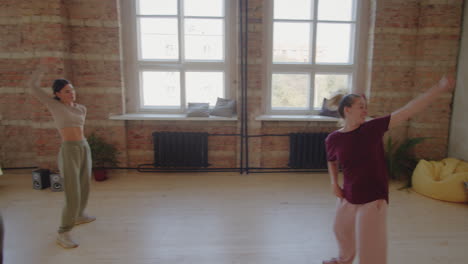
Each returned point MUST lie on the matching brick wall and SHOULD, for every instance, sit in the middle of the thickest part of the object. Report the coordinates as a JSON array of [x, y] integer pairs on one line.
[[415, 43], [412, 42], [81, 41]]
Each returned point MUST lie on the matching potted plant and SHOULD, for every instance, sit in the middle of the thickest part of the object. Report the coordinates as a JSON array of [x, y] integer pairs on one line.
[[104, 156], [401, 162]]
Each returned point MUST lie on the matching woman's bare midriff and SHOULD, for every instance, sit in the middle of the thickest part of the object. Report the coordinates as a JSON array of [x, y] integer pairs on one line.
[[72, 133]]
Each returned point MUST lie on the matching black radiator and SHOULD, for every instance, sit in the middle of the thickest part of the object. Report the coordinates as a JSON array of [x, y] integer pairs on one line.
[[180, 149], [307, 151]]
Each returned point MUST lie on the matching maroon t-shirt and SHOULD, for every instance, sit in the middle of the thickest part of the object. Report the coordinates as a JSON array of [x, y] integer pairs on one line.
[[361, 155]]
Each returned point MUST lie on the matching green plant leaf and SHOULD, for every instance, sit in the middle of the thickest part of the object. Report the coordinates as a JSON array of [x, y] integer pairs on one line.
[[103, 154], [400, 159]]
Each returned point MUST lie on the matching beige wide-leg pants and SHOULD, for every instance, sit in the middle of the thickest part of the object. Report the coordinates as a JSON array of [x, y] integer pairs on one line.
[[75, 167]]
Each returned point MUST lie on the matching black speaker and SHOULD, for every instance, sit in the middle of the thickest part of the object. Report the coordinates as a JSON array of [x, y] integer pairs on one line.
[[56, 182], [41, 179]]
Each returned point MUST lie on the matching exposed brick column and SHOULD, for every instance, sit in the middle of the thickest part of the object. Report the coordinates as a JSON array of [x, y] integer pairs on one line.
[[437, 50], [393, 43], [256, 69]]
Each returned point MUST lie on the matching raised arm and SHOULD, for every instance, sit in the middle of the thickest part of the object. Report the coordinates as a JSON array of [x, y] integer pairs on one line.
[[34, 85], [418, 104]]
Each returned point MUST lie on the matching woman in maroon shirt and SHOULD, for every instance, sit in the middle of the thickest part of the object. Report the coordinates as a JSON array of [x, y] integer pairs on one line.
[[360, 221]]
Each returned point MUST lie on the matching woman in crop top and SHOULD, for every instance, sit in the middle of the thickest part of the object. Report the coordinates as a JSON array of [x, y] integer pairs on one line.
[[360, 220], [74, 159]]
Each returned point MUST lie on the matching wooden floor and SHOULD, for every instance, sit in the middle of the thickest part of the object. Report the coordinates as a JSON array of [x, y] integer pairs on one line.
[[217, 218]]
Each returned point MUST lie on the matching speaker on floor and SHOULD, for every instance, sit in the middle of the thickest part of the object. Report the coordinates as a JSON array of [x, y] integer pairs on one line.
[[41, 179], [56, 182]]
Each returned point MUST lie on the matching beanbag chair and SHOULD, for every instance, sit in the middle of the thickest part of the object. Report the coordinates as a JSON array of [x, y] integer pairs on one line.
[[442, 180]]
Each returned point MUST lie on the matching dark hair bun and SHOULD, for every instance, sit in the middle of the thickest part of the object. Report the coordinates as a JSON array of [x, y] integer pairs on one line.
[[59, 84]]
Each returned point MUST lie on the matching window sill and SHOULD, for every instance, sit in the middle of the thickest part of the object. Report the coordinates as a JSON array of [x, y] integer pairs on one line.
[[307, 118], [181, 117]]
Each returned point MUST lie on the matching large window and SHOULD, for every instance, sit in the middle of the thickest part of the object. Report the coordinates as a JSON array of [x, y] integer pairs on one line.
[[313, 53], [177, 52]]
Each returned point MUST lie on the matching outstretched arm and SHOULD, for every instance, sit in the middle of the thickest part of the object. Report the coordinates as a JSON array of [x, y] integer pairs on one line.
[[420, 103]]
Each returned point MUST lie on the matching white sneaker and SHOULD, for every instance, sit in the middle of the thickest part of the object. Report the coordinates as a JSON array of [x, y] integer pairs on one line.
[[84, 219], [65, 241]]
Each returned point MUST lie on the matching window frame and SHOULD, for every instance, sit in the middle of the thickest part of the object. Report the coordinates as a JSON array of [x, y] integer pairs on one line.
[[133, 67], [357, 71]]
